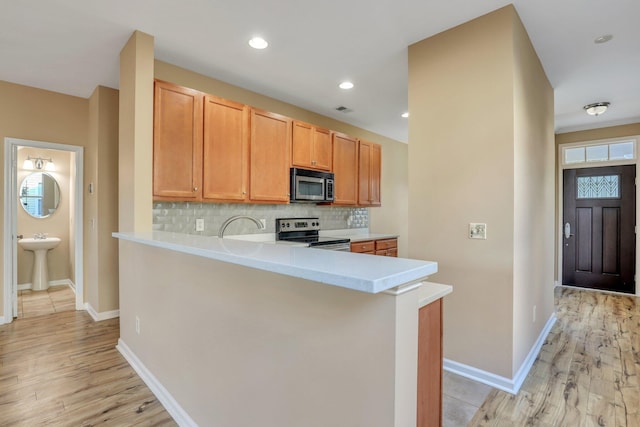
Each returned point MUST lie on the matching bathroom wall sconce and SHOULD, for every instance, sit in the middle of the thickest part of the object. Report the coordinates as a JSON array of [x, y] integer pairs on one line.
[[597, 108], [38, 163]]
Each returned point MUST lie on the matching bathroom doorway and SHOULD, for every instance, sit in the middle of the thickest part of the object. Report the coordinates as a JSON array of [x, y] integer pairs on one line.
[[29, 165]]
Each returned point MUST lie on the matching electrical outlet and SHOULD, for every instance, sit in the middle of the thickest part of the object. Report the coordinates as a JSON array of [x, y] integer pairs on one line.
[[200, 224], [478, 230], [534, 314], [137, 325], [264, 222]]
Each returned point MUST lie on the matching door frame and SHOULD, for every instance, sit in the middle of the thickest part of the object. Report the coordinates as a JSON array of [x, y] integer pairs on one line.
[[559, 192], [10, 259]]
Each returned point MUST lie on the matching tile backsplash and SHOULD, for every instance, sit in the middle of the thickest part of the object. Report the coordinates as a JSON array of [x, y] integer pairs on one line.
[[180, 217]]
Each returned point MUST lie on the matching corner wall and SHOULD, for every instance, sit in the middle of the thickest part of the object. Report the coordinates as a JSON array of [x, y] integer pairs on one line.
[[473, 125], [101, 205], [534, 197]]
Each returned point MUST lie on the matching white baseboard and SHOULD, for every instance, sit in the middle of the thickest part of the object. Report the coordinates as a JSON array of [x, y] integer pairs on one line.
[[510, 385], [1, 320], [179, 415], [61, 282], [98, 317]]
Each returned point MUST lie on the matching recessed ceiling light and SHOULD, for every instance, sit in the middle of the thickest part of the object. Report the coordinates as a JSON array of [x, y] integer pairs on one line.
[[405, 115], [346, 85], [258, 43], [603, 39], [597, 108]]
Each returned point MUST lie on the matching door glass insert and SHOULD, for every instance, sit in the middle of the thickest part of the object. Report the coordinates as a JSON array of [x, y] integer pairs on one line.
[[598, 187]]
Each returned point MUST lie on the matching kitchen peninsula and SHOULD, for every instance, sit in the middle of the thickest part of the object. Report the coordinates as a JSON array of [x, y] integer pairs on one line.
[[237, 333]]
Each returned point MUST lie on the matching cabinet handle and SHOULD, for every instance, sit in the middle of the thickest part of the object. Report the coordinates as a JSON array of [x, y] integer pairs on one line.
[[195, 189], [244, 193]]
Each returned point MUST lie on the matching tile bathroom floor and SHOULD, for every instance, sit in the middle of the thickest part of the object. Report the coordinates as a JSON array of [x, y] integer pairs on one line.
[[38, 303], [461, 399]]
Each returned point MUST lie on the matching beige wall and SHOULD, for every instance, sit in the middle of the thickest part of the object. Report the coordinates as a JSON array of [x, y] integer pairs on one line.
[[470, 128], [56, 225], [135, 153], [391, 217], [101, 206], [222, 338], [39, 115], [534, 201]]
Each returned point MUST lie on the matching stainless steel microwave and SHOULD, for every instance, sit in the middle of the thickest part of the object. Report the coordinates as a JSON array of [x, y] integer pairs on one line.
[[311, 186]]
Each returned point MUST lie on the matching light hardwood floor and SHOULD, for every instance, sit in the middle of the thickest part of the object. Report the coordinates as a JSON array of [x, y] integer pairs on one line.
[[586, 373], [62, 369], [53, 300]]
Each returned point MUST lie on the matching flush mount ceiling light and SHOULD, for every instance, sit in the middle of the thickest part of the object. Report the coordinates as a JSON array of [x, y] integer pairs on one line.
[[258, 43], [346, 85], [597, 108], [603, 39], [405, 115]]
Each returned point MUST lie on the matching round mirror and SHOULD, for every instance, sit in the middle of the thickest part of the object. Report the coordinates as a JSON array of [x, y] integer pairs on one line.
[[39, 194]]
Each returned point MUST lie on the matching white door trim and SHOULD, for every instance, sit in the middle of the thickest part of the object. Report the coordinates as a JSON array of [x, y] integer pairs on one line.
[[560, 189], [10, 223]]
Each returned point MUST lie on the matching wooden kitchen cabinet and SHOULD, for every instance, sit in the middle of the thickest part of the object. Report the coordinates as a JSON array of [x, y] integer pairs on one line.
[[270, 157], [430, 365], [345, 169], [366, 247], [369, 171], [177, 142], [383, 247], [311, 147], [387, 247], [225, 150]]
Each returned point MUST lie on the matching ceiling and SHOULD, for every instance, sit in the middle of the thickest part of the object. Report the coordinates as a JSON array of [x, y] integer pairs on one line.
[[71, 46]]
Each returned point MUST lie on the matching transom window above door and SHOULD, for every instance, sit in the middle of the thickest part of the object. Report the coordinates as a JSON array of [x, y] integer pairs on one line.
[[610, 152]]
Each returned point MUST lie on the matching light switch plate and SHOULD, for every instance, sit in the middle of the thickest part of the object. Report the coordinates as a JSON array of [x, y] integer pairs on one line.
[[478, 230]]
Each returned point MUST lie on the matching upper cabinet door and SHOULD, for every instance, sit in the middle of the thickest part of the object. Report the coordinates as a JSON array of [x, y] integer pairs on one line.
[[311, 147], [225, 150], [369, 170], [322, 149], [270, 151], [177, 143], [345, 169]]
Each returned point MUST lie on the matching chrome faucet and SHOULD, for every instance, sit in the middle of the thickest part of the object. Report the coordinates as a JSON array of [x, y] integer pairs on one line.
[[236, 217], [40, 236]]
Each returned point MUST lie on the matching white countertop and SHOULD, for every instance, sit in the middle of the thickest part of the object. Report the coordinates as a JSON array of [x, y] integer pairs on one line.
[[345, 269], [357, 234], [429, 292]]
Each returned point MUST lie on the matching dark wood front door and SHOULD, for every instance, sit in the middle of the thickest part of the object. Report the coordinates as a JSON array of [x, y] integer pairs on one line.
[[599, 228]]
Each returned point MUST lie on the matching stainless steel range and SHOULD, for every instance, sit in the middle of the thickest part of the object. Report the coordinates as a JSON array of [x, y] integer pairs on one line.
[[307, 231]]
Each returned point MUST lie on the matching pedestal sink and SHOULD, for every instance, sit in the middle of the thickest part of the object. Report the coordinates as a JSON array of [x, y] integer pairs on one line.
[[40, 247]]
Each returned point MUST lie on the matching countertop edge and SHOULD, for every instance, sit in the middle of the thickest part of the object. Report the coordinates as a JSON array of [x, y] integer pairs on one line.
[[430, 292], [374, 285]]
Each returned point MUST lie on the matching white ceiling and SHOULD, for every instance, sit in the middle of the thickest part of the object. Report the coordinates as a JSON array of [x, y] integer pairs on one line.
[[71, 46]]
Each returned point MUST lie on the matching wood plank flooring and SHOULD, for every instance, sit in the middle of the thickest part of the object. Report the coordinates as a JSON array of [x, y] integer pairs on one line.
[[586, 373], [62, 369]]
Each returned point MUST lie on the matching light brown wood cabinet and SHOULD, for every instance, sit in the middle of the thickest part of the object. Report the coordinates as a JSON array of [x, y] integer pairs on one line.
[[345, 169], [177, 142], [270, 151], [225, 150], [430, 365], [311, 147], [365, 247], [206, 148], [383, 247], [369, 171], [387, 247]]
